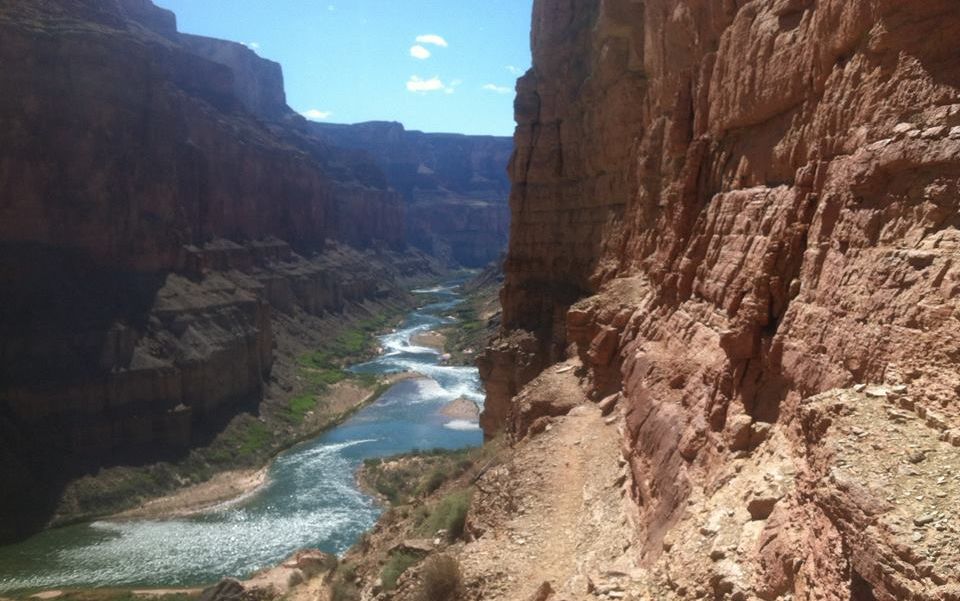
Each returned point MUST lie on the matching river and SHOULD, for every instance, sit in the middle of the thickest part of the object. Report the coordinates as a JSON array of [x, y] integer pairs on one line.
[[310, 500]]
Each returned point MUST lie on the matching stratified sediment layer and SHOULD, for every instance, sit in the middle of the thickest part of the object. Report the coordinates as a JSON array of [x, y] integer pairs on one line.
[[725, 209]]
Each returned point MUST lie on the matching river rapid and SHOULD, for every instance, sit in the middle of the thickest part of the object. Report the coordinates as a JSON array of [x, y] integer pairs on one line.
[[311, 497]]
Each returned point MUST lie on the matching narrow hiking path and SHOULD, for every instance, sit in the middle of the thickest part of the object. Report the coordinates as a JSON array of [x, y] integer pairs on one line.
[[554, 513]]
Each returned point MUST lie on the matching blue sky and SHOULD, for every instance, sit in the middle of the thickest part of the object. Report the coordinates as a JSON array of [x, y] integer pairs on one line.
[[434, 65]]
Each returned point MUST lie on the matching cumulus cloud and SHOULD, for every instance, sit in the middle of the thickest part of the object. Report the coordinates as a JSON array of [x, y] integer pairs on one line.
[[434, 84], [420, 52], [490, 87], [432, 39], [317, 114], [252, 45], [418, 84]]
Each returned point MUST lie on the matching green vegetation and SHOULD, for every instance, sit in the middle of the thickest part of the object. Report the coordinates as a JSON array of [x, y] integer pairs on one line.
[[440, 579], [248, 441], [323, 368], [343, 587], [449, 514], [351, 344], [398, 564], [256, 438], [470, 333], [403, 478], [341, 590], [431, 491], [301, 405]]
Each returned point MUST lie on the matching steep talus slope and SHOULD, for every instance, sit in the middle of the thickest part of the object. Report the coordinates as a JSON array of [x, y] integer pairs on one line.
[[727, 209], [455, 187], [154, 214]]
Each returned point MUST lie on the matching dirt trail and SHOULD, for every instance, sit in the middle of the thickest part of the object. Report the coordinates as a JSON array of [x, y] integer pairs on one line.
[[554, 513]]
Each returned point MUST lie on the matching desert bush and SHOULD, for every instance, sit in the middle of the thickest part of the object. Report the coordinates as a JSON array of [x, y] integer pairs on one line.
[[398, 564], [449, 514], [344, 591], [440, 579], [435, 481]]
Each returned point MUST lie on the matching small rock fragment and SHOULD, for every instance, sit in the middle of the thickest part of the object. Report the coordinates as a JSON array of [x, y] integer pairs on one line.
[[761, 506], [916, 457], [544, 592]]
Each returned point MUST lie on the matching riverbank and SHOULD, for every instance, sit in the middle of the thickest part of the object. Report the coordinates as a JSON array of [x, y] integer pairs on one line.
[[477, 319], [309, 499], [308, 392], [235, 486]]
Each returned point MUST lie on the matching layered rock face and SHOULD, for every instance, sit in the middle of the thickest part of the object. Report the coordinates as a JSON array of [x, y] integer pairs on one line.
[[158, 204], [726, 209], [455, 186]]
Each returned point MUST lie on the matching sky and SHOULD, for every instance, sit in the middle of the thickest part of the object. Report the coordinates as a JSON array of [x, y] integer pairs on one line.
[[433, 65]]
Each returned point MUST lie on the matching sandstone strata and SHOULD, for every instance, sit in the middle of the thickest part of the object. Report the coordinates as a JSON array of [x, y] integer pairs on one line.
[[455, 187], [725, 209], [160, 206]]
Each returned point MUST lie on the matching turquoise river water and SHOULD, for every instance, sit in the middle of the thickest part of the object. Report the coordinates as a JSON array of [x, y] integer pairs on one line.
[[311, 498]]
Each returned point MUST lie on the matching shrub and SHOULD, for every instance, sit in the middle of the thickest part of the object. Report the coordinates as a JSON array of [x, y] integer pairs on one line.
[[322, 377], [398, 564], [440, 579], [300, 406], [344, 591], [343, 588], [449, 514], [436, 480], [255, 438]]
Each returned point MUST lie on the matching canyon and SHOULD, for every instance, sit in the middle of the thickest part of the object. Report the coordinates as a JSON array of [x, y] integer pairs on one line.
[[740, 221], [455, 188], [166, 222], [728, 363]]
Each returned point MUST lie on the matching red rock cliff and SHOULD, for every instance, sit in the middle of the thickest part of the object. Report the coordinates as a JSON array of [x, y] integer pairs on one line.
[[157, 205], [725, 209], [455, 187]]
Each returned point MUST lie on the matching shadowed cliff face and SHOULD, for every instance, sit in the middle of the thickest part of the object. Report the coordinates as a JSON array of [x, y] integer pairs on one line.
[[725, 208], [455, 187], [158, 203]]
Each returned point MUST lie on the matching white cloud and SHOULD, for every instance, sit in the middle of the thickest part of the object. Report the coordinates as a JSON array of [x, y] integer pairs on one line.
[[434, 84], [420, 52], [498, 89], [432, 39], [317, 115], [514, 70], [252, 45]]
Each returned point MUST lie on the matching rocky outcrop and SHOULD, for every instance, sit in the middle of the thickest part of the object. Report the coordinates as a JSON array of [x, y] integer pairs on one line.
[[455, 187], [152, 150], [723, 209], [257, 82]]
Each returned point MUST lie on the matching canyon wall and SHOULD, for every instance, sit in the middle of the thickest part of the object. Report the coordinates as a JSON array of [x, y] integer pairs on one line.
[[455, 187], [733, 213], [158, 203]]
